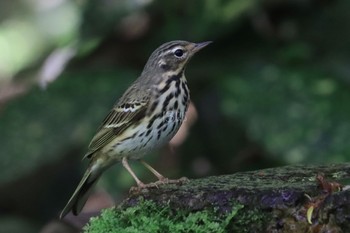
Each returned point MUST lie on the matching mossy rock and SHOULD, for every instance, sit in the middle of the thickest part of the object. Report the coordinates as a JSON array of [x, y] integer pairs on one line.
[[285, 199]]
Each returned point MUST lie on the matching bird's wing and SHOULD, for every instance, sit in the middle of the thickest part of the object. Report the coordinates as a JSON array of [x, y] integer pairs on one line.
[[119, 119]]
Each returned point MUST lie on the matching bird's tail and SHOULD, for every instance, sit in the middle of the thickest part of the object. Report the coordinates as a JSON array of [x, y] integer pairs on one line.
[[82, 192]]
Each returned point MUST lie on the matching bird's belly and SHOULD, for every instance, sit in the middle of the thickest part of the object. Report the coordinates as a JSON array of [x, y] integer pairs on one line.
[[145, 137]]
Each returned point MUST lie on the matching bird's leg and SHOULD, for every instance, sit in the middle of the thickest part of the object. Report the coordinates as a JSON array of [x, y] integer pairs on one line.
[[154, 171], [161, 178], [139, 183]]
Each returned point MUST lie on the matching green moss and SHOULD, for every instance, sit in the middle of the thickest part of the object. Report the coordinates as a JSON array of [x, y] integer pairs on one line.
[[148, 217], [253, 218]]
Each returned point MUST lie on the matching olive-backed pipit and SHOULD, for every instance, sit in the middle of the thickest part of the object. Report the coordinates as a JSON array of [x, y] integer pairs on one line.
[[147, 116]]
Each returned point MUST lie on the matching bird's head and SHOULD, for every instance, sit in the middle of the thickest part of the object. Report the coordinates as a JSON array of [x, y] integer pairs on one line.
[[173, 56]]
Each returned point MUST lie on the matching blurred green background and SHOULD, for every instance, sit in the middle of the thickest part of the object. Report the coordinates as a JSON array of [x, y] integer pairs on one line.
[[273, 89]]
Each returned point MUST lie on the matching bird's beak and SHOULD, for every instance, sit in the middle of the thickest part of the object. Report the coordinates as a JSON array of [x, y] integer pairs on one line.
[[199, 46]]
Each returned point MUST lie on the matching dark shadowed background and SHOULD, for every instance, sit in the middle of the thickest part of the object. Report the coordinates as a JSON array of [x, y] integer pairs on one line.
[[273, 89]]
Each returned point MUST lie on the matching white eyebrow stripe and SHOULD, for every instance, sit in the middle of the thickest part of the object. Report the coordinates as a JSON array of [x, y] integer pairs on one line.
[[178, 47]]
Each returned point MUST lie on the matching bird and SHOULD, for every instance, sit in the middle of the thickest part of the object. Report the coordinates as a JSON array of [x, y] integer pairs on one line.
[[147, 116]]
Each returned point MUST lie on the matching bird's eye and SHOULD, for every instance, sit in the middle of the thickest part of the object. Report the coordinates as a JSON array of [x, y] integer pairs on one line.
[[179, 52]]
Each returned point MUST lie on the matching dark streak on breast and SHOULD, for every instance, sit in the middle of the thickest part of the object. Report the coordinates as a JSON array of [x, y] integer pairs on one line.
[[127, 138], [172, 129], [159, 134], [166, 102], [178, 89], [184, 86], [150, 138], [151, 121], [153, 107], [176, 105], [161, 125], [172, 78]]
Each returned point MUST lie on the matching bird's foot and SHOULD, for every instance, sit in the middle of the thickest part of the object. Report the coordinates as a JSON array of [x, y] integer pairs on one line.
[[142, 186], [180, 181], [139, 188]]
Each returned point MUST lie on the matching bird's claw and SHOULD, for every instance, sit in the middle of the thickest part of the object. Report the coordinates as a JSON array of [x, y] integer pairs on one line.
[[140, 187]]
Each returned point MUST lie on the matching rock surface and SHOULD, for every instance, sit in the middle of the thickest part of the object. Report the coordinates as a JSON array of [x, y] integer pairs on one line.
[[285, 199]]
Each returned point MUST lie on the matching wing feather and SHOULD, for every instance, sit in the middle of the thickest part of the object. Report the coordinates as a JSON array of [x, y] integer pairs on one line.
[[120, 118]]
